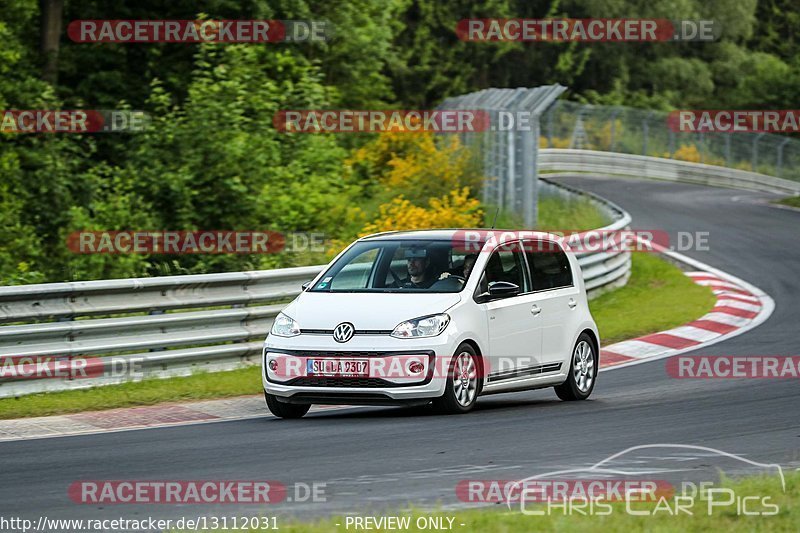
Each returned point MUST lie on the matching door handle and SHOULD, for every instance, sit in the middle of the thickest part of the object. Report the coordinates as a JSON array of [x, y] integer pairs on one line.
[[535, 310], [572, 303]]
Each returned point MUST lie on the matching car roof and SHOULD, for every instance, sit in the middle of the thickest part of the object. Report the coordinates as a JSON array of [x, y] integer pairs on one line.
[[450, 233]]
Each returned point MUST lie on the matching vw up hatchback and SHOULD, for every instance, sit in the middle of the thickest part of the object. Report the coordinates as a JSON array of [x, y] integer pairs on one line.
[[434, 316]]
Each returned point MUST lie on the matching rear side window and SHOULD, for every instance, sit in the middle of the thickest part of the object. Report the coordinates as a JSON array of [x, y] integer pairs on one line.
[[549, 265]]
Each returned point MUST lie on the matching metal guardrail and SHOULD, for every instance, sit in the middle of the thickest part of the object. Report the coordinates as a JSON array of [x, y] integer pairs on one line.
[[607, 268], [159, 327], [659, 168], [177, 325], [647, 132]]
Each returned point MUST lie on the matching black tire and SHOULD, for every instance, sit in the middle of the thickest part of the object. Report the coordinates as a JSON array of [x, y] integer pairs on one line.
[[459, 398], [285, 410], [580, 384]]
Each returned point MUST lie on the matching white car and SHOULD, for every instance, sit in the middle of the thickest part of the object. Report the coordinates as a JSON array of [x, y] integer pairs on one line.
[[401, 318]]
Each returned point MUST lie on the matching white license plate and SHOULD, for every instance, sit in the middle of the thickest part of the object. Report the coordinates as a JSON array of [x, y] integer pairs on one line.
[[337, 367]]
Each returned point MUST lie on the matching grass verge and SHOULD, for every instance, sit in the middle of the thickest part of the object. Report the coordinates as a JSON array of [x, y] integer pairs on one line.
[[792, 201], [657, 297], [578, 214], [200, 386], [555, 214], [658, 518]]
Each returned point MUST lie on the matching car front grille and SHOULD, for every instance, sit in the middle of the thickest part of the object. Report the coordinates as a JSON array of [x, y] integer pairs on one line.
[[355, 332], [340, 382]]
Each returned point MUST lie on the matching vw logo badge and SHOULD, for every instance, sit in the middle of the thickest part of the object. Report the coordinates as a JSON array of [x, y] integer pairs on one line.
[[343, 332]]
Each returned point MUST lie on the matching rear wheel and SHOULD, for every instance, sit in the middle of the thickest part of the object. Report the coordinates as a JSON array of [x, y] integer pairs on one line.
[[461, 391], [582, 371], [285, 410]]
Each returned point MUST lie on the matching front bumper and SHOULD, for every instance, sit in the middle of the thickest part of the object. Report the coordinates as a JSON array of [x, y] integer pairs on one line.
[[389, 382]]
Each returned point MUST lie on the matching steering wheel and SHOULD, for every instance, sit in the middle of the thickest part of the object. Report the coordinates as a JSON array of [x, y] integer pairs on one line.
[[396, 278]]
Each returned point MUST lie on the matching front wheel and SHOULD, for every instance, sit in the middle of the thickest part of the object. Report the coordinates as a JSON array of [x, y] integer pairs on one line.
[[461, 391], [582, 371], [285, 410]]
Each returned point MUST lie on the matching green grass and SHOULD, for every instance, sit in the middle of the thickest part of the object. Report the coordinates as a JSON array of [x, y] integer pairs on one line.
[[792, 201], [500, 519], [200, 386], [657, 297], [555, 214]]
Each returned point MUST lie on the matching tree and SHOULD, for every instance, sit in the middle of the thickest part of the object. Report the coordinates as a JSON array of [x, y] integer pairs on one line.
[[51, 22]]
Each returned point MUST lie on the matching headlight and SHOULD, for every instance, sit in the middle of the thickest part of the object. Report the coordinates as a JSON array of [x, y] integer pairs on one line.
[[285, 326], [426, 326]]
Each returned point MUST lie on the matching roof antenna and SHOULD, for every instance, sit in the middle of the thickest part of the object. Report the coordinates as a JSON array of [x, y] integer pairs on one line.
[[497, 211]]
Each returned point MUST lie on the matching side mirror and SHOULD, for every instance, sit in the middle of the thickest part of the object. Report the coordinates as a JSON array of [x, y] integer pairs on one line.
[[306, 285], [503, 289]]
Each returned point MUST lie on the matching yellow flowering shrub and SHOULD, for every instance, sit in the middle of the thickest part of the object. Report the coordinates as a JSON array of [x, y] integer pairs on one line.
[[418, 165], [558, 142], [691, 154], [411, 180], [686, 152], [454, 210], [600, 138]]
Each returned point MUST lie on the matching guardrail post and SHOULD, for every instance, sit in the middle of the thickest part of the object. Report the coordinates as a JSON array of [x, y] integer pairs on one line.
[[550, 120], [755, 151], [486, 141], [499, 174], [529, 174], [510, 163], [521, 174], [671, 141], [780, 156], [156, 312], [612, 141], [701, 145], [727, 150]]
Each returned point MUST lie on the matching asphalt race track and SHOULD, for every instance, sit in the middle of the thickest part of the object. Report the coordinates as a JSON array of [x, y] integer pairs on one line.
[[386, 458]]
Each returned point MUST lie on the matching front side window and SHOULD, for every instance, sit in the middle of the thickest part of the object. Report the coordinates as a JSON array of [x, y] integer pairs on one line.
[[356, 273], [507, 263]]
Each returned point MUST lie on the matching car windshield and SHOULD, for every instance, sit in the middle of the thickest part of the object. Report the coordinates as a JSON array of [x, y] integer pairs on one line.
[[413, 266]]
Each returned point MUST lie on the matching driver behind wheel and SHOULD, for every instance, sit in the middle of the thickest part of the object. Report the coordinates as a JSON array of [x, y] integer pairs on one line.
[[418, 266]]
